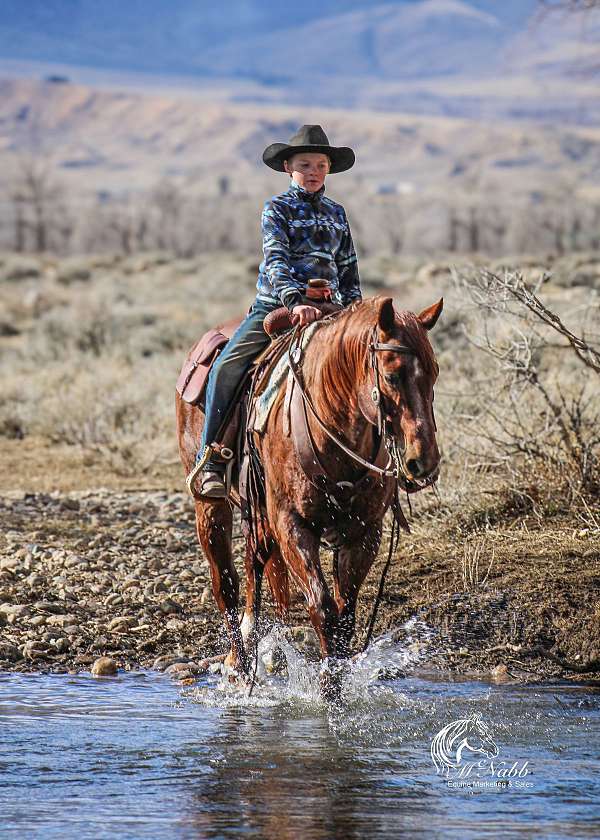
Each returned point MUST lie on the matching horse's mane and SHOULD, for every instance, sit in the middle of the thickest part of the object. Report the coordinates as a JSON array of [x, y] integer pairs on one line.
[[346, 360]]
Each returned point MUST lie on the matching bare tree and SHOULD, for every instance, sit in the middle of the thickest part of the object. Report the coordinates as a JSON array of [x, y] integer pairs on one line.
[[40, 212], [532, 407]]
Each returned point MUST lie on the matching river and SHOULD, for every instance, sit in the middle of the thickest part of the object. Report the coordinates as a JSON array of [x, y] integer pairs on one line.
[[138, 756]]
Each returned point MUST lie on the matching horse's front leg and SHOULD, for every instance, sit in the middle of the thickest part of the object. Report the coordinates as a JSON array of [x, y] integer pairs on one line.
[[353, 565], [299, 548], [214, 525]]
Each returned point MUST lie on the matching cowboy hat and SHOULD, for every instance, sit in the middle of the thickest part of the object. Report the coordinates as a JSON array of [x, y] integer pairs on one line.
[[309, 138]]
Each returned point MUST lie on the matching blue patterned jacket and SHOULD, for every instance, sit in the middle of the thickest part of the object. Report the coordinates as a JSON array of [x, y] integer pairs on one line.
[[306, 235]]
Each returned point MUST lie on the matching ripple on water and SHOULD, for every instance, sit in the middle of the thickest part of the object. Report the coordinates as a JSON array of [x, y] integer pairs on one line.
[[136, 756]]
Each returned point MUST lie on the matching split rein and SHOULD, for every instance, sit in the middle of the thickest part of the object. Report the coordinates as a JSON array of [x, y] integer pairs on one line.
[[395, 451], [395, 465]]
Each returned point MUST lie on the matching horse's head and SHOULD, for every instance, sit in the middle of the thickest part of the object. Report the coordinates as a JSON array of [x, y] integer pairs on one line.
[[404, 371], [478, 737]]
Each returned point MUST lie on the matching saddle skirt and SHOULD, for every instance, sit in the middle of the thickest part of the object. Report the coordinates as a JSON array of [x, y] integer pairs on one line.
[[191, 383]]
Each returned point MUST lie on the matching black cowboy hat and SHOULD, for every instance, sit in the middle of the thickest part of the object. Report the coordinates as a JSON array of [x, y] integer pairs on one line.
[[309, 138]]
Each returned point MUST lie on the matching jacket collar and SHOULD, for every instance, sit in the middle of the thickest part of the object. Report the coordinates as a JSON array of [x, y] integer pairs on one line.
[[313, 197]]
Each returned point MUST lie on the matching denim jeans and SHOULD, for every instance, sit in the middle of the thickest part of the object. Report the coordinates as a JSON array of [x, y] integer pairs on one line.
[[226, 374]]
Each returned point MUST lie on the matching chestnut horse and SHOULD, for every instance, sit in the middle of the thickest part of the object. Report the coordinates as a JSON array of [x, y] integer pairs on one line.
[[367, 364]]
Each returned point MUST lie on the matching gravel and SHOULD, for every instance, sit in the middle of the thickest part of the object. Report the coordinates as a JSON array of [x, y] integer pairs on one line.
[[103, 574]]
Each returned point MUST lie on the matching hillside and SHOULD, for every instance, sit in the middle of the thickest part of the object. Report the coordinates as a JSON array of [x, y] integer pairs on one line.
[[126, 141], [472, 58]]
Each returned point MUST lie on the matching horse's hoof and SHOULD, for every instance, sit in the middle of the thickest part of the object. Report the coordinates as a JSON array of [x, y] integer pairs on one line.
[[331, 679]]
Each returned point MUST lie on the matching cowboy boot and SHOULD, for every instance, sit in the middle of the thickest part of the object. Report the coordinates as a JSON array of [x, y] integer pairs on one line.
[[207, 481], [207, 478]]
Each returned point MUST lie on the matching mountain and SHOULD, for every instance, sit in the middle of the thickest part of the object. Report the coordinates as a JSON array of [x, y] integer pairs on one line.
[[187, 36], [473, 58]]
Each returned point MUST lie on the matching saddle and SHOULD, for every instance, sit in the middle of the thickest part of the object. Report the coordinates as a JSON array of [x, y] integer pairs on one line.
[[193, 378]]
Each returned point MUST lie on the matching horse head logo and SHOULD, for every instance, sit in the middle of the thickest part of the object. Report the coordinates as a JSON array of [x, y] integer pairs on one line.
[[470, 733]]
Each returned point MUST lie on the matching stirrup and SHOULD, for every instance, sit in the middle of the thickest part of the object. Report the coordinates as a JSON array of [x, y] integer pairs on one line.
[[191, 478], [224, 454], [197, 469]]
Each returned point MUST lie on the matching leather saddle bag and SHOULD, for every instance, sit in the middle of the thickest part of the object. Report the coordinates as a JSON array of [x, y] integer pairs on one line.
[[194, 373], [191, 384]]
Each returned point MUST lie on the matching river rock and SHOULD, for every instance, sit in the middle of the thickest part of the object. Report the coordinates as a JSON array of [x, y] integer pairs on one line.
[[9, 563], [49, 606], [35, 650], [37, 620], [169, 606], [13, 610], [76, 561], [161, 663], [63, 620], [121, 623], [10, 652], [130, 583], [113, 600], [181, 670], [100, 642], [175, 624], [500, 673], [104, 667]]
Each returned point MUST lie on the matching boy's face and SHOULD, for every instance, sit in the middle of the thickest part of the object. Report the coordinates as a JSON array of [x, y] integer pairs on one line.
[[308, 169]]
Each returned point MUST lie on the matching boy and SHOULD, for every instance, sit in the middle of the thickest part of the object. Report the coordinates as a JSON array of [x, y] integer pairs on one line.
[[305, 235]]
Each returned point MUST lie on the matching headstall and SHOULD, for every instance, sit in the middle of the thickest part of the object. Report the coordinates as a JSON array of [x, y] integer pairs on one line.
[[395, 465]]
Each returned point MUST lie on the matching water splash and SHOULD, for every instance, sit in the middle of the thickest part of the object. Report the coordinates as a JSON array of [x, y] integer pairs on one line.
[[287, 675]]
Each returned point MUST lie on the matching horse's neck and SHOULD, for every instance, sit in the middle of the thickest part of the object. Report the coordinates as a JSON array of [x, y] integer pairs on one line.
[[344, 418]]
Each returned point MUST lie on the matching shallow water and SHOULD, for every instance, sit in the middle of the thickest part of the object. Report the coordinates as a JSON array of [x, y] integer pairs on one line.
[[139, 757]]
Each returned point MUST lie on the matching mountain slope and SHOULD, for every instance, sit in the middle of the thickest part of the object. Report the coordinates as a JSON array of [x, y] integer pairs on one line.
[[435, 37], [185, 36], [473, 58]]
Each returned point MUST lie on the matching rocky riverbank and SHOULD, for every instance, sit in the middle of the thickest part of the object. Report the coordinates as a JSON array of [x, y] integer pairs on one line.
[[104, 573], [119, 574]]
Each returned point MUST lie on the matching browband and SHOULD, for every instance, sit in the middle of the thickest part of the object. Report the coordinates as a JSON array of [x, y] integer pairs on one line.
[[396, 348]]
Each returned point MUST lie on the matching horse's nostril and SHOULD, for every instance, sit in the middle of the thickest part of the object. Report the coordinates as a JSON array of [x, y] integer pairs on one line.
[[415, 467]]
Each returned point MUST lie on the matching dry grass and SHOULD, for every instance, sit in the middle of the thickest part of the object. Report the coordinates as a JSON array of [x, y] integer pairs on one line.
[[96, 344], [505, 559]]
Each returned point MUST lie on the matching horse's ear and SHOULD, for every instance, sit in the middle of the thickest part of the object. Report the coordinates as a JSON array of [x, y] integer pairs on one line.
[[386, 315], [428, 317]]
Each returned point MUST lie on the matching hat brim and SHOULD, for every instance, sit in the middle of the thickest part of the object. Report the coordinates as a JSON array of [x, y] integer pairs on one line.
[[342, 157]]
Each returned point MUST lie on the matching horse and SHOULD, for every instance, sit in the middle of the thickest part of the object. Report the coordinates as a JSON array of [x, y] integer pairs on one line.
[[450, 742], [367, 375]]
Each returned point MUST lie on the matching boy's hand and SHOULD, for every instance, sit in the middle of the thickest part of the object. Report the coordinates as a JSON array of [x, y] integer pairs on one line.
[[303, 314]]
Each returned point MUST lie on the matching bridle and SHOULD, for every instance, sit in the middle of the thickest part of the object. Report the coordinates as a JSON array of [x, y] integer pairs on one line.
[[396, 448]]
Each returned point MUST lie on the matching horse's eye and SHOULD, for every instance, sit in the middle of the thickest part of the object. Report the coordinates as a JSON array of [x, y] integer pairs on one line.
[[394, 379]]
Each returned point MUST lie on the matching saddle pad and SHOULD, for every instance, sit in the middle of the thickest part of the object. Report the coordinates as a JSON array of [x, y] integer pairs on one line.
[[264, 402]]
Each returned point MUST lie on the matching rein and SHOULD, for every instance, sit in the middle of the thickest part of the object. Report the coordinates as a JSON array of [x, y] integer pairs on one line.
[[394, 452]]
